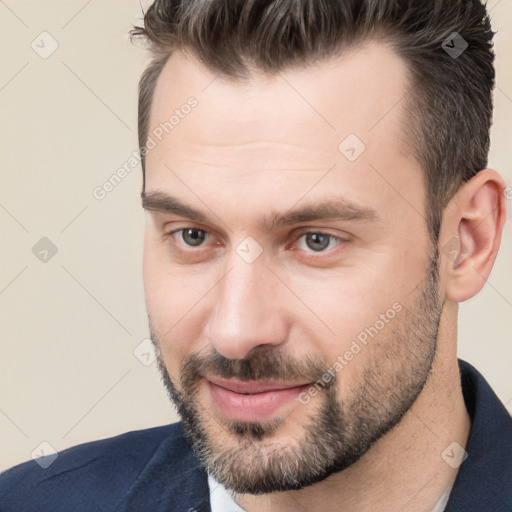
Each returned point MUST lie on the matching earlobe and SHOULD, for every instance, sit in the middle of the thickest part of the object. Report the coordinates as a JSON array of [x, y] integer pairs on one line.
[[471, 234]]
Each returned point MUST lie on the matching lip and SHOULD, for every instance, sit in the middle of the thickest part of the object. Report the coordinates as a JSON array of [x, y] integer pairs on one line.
[[251, 401], [250, 388]]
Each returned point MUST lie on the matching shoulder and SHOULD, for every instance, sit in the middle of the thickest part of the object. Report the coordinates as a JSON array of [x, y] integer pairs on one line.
[[484, 478], [101, 470]]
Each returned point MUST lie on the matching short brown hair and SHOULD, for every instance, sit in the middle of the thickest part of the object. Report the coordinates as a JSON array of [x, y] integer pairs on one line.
[[449, 105]]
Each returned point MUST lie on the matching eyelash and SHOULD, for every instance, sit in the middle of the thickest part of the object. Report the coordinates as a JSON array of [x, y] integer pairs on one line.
[[311, 254]]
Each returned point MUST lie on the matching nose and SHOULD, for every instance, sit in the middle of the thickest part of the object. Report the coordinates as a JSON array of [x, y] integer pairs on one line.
[[247, 312]]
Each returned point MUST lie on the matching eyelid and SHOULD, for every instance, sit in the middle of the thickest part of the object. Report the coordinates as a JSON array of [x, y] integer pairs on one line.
[[317, 231]]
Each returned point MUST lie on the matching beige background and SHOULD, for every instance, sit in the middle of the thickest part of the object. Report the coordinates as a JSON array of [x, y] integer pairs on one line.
[[69, 325]]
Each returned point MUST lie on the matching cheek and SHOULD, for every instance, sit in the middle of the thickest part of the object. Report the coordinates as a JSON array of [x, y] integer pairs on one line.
[[176, 305], [356, 311]]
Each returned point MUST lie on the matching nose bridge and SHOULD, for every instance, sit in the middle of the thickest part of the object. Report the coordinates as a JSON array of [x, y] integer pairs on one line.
[[247, 312]]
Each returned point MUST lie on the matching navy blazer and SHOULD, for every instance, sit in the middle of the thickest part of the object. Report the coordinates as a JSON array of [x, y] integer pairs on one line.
[[156, 470]]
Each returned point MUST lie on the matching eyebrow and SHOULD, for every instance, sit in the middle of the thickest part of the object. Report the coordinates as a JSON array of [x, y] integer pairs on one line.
[[337, 209]]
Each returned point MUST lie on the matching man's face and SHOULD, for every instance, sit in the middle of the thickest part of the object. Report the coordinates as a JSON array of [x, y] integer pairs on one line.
[[261, 288]]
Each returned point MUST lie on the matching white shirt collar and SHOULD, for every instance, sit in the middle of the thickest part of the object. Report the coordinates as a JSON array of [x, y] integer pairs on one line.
[[221, 499]]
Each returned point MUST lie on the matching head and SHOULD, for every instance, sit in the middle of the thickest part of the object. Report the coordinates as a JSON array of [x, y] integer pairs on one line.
[[295, 213]]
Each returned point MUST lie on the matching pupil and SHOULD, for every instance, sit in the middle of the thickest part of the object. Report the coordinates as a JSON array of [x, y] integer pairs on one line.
[[322, 241]]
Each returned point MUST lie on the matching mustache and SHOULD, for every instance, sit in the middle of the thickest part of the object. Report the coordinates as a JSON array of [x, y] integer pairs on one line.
[[265, 366]]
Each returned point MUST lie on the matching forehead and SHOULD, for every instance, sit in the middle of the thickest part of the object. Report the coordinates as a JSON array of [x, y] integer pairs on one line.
[[285, 129], [352, 93]]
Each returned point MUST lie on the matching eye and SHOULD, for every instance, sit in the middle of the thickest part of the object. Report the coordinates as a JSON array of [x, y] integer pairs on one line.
[[192, 237], [317, 242], [310, 241]]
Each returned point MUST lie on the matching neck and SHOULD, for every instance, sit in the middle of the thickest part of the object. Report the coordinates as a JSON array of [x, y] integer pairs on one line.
[[405, 468]]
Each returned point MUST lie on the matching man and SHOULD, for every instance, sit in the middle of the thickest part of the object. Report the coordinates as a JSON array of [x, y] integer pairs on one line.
[[318, 204]]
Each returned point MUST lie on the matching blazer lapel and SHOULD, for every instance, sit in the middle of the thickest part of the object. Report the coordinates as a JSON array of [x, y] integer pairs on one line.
[[173, 480]]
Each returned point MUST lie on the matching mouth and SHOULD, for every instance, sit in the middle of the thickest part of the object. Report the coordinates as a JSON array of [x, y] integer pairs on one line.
[[251, 401]]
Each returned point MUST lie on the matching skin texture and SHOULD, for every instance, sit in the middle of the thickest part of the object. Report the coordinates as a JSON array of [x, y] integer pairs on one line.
[[248, 152]]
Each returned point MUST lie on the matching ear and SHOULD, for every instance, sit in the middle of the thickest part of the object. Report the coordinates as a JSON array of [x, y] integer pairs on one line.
[[471, 234]]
